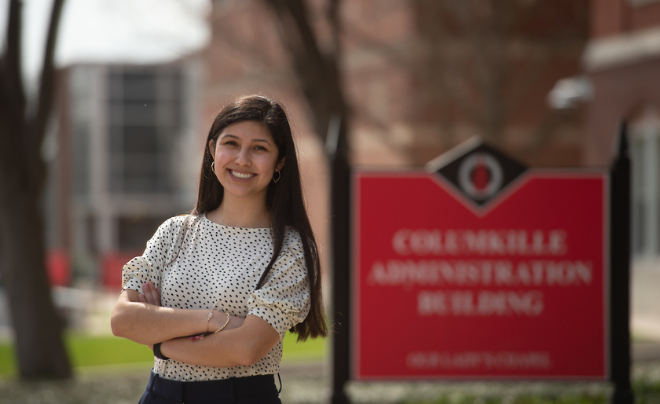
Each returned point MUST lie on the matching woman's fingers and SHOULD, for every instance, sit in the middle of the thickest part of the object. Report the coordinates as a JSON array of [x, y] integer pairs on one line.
[[151, 294], [145, 291], [154, 297]]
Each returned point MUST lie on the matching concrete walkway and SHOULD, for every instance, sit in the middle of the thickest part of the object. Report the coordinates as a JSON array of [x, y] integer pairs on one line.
[[645, 300]]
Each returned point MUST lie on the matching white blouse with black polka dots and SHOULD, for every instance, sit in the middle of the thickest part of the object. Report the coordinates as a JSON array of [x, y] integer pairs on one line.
[[200, 264]]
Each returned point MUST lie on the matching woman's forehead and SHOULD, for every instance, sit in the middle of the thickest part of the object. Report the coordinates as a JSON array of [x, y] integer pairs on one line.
[[251, 131]]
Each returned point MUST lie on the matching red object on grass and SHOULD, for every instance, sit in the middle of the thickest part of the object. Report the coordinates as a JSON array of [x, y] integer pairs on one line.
[[111, 267], [59, 268]]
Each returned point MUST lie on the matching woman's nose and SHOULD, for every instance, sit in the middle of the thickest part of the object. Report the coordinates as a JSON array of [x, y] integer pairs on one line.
[[243, 157]]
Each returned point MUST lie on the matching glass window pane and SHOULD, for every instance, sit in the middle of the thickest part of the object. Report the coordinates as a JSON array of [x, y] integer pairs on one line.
[[139, 86], [145, 113], [141, 139]]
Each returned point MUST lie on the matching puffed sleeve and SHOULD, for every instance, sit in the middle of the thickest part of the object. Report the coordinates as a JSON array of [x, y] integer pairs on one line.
[[284, 299], [149, 266]]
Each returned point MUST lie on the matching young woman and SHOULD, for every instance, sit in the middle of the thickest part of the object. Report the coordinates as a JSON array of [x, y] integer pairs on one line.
[[216, 290]]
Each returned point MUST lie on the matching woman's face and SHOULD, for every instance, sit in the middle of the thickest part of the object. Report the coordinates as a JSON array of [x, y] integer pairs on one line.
[[245, 157]]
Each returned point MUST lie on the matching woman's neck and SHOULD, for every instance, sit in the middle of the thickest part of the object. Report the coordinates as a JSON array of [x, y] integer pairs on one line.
[[240, 214]]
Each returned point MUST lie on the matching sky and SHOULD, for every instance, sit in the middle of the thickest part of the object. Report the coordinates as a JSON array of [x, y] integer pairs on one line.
[[112, 31]]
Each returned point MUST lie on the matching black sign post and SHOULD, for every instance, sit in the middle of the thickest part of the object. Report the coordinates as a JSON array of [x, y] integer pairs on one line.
[[337, 150], [620, 272]]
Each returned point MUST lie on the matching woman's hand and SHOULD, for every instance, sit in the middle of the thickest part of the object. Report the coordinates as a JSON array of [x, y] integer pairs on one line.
[[150, 294]]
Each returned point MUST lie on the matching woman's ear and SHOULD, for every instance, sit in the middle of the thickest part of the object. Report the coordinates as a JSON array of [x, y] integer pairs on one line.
[[280, 164], [212, 146]]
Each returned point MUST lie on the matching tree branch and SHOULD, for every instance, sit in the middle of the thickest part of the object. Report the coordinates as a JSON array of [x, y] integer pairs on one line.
[[14, 94], [319, 74], [46, 94], [12, 105], [335, 23]]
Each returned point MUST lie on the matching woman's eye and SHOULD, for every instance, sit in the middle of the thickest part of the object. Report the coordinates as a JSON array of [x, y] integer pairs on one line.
[[230, 143]]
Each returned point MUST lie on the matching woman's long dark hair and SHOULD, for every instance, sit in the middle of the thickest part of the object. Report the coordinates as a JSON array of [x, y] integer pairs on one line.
[[284, 199]]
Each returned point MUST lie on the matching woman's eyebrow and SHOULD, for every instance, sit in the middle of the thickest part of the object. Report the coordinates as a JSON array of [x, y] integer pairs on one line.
[[229, 135], [238, 138], [262, 140]]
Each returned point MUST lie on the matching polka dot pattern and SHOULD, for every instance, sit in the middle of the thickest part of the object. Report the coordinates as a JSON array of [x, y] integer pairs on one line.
[[200, 264]]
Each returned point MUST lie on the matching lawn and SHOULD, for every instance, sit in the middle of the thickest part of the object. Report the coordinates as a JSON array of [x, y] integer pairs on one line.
[[95, 352]]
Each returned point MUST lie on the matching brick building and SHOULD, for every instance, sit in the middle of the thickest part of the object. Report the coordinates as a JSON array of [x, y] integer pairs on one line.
[[622, 61]]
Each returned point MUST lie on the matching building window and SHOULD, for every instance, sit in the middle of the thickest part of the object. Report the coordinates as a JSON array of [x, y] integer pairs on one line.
[[144, 120], [645, 154]]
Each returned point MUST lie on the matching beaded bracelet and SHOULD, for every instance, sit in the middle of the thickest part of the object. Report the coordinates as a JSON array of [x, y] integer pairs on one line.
[[201, 336], [223, 327]]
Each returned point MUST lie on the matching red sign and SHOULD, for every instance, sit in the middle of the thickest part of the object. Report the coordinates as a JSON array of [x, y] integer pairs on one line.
[[516, 288]]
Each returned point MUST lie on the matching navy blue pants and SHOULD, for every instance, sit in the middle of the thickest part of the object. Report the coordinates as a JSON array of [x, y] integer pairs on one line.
[[242, 390]]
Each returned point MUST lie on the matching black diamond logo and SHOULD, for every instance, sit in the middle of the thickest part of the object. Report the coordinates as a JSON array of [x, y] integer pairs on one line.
[[477, 171]]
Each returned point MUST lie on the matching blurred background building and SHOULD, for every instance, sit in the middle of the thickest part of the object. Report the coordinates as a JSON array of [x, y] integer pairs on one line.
[[622, 62], [128, 146]]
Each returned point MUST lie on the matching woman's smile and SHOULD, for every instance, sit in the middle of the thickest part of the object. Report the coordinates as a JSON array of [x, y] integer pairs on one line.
[[241, 175]]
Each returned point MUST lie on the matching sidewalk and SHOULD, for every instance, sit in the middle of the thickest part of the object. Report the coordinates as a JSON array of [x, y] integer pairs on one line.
[[645, 300], [645, 352]]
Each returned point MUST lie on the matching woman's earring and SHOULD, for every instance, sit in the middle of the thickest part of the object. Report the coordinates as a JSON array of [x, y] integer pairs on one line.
[[278, 176], [213, 166]]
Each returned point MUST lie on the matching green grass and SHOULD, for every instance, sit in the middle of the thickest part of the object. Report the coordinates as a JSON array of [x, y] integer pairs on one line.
[[312, 349], [86, 351], [91, 351]]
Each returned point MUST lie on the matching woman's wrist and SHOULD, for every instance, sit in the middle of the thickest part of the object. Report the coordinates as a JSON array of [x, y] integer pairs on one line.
[[217, 321], [217, 330]]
